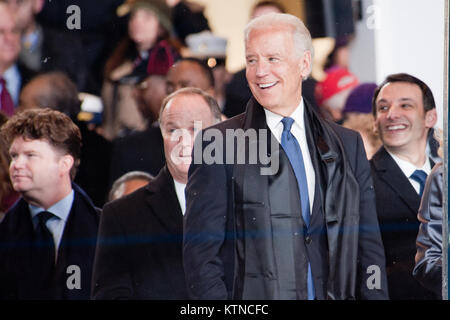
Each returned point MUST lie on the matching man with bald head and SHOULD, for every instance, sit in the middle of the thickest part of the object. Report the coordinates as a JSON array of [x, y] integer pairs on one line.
[[139, 255]]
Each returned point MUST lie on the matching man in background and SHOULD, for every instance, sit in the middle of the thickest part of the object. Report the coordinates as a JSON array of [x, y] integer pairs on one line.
[[139, 253]]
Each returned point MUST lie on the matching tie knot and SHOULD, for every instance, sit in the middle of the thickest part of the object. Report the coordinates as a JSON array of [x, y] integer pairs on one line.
[[2, 82], [419, 176], [287, 123], [44, 216]]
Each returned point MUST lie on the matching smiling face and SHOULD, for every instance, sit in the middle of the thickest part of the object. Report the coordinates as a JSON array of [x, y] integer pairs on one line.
[[401, 119], [177, 127], [275, 68], [38, 171]]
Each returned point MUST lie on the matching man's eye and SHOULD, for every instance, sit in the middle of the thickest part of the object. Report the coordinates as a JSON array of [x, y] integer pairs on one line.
[[273, 59], [251, 61], [406, 106], [382, 108]]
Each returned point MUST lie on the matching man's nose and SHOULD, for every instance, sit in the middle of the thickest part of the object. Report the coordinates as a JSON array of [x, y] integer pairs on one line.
[[261, 69], [17, 162], [394, 111]]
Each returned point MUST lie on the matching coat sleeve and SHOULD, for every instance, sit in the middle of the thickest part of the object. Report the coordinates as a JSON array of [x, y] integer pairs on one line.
[[372, 279], [205, 231], [428, 268], [111, 277]]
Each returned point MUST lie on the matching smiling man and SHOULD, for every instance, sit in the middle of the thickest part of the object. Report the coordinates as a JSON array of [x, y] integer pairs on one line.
[[48, 238], [404, 111], [308, 230]]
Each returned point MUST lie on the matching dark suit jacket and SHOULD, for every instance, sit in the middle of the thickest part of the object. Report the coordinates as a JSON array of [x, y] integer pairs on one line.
[[143, 151], [139, 248], [397, 208], [225, 202], [77, 247]]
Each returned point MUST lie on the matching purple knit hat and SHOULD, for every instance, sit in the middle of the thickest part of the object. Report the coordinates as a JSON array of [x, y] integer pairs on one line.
[[360, 98]]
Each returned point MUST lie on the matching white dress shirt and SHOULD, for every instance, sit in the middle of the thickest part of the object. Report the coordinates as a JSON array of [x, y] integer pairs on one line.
[[298, 130], [57, 223], [179, 190], [408, 169]]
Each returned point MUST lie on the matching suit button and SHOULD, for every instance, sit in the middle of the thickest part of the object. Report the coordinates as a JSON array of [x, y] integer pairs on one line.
[[308, 239]]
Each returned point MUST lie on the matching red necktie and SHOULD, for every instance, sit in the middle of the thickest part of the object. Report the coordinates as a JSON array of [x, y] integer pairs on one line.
[[6, 102]]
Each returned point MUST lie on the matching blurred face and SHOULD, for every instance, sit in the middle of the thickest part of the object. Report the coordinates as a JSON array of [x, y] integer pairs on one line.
[[149, 95], [274, 69], [28, 95], [24, 11], [37, 168], [177, 127], [186, 74], [259, 11], [9, 39], [143, 28], [401, 119]]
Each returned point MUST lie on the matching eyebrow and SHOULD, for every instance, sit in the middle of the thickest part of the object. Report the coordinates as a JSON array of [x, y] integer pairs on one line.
[[401, 99]]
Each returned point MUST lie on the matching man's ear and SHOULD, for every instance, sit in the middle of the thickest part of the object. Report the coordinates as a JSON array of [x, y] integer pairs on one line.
[[375, 128], [66, 163], [305, 64], [430, 118]]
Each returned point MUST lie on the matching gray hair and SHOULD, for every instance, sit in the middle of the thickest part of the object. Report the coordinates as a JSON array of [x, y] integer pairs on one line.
[[118, 187], [300, 34], [212, 103]]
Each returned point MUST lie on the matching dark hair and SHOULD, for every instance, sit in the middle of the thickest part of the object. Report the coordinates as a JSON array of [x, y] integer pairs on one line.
[[427, 95], [268, 3], [207, 72], [59, 93], [52, 126]]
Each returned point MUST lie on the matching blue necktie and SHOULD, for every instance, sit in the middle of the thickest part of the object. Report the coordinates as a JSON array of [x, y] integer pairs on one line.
[[294, 153], [420, 176]]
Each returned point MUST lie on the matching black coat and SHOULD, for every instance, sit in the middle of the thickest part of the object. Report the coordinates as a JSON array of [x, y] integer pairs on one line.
[[139, 248], [141, 150], [77, 247], [233, 212], [397, 207]]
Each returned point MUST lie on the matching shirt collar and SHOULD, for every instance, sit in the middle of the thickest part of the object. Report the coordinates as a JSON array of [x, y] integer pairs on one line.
[[61, 209], [408, 168], [273, 119]]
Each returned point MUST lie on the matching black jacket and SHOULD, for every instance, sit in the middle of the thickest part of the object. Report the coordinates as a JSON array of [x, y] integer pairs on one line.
[[77, 248], [233, 213], [139, 247]]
